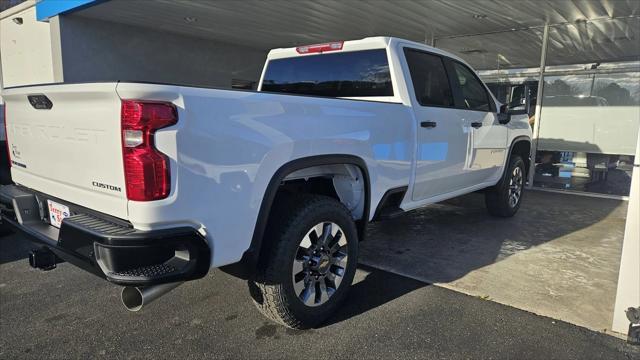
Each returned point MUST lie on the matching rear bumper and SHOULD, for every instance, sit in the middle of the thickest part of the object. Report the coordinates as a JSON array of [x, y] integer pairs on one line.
[[105, 246]]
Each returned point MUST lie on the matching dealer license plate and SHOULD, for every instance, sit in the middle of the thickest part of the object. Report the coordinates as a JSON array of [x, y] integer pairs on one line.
[[57, 212]]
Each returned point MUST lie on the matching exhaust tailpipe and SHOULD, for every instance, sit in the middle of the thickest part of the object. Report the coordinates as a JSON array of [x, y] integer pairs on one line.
[[134, 298]]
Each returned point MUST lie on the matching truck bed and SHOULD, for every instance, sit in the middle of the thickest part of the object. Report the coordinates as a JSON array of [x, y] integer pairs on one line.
[[224, 149]]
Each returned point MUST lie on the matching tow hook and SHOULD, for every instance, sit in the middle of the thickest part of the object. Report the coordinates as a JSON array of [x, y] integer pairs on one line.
[[43, 259]]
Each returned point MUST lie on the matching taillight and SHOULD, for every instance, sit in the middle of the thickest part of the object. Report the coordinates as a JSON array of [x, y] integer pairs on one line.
[[319, 48], [6, 133], [146, 170]]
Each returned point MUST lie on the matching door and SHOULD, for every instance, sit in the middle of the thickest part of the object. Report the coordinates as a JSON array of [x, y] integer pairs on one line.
[[442, 139], [487, 137]]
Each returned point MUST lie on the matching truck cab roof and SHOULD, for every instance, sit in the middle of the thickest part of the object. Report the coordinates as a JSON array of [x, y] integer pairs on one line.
[[392, 59], [376, 42]]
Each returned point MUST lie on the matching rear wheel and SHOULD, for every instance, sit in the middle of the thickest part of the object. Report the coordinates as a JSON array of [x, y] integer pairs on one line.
[[310, 263], [505, 198]]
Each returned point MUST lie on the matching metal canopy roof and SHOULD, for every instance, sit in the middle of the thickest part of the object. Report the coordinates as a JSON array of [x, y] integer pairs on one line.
[[597, 30]]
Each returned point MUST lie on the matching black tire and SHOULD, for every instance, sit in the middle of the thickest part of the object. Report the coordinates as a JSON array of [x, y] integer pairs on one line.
[[498, 199], [272, 288]]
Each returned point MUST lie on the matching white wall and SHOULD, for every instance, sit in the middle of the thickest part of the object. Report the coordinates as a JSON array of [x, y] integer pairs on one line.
[[25, 49]]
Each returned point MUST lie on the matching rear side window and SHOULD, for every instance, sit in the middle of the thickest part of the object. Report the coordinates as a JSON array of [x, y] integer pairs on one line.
[[346, 74], [473, 92], [429, 77]]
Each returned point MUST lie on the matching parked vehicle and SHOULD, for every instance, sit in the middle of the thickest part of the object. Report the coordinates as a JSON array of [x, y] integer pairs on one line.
[[150, 185]]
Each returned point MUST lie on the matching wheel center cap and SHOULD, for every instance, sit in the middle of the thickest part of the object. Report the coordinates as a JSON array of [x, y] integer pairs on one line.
[[323, 265]]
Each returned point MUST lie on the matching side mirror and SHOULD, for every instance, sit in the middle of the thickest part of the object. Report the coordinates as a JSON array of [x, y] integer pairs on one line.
[[503, 115]]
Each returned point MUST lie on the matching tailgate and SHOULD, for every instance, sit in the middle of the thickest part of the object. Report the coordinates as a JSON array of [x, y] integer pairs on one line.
[[71, 149]]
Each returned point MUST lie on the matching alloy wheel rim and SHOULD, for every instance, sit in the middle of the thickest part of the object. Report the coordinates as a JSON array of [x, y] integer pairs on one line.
[[320, 263], [515, 186]]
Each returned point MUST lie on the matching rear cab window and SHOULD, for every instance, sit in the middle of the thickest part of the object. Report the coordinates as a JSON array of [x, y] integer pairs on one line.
[[354, 74]]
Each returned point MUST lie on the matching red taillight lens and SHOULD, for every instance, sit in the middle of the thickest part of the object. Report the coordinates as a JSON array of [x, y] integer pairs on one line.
[[146, 170], [319, 48]]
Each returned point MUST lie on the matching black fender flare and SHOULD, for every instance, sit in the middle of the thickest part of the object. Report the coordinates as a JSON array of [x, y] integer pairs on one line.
[[516, 140], [246, 267]]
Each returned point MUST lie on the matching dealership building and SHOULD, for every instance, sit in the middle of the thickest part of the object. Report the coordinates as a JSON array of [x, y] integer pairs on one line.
[[573, 66]]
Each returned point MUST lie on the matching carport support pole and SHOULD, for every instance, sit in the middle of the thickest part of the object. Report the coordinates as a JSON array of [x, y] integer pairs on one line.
[[536, 123], [628, 294]]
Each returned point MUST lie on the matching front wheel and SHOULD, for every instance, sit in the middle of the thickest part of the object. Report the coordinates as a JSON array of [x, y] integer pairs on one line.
[[310, 261], [505, 198]]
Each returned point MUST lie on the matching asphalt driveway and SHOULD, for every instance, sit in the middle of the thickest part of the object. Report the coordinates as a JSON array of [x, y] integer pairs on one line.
[[67, 313]]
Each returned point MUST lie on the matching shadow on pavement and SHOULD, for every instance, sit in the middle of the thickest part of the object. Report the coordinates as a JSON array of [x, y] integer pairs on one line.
[[446, 241], [13, 247], [376, 289]]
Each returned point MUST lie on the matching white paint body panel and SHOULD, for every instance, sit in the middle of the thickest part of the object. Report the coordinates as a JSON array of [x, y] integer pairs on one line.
[[227, 146], [62, 151]]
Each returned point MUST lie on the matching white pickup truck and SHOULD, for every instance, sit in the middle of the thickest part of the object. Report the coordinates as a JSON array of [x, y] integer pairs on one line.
[[150, 185]]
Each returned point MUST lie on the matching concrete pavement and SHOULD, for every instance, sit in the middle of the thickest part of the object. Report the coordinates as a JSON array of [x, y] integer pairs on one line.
[[558, 256]]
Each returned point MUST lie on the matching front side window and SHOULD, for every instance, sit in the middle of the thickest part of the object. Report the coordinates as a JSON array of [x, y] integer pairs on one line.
[[429, 78], [343, 74], [474, 94]]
